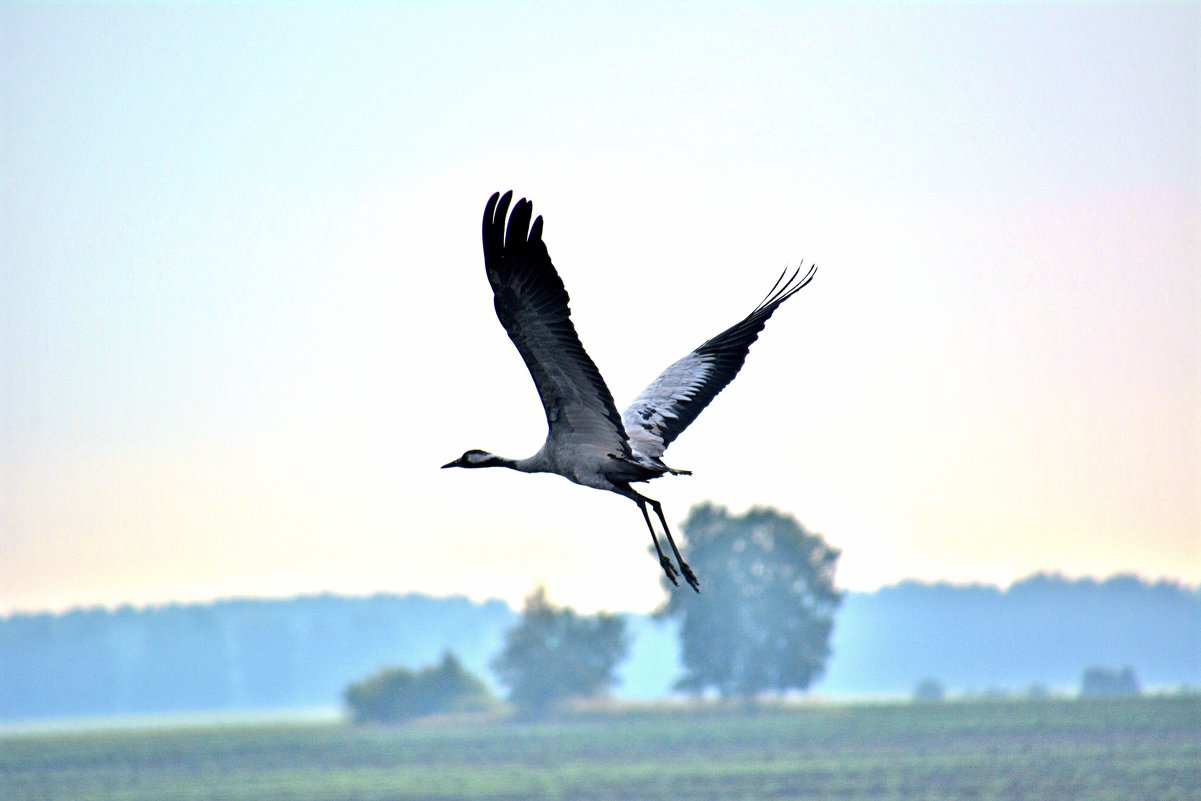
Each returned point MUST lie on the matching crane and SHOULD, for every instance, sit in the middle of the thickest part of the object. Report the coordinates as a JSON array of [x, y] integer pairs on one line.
[[588, 441]]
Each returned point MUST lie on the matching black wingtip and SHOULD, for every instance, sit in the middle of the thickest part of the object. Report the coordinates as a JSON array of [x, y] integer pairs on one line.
[[774, 287], [497, 205], [494, 225], [808, 275], [779, 293], [517, 232]]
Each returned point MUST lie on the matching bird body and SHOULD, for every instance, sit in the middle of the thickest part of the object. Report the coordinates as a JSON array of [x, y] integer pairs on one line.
[[587, 440]]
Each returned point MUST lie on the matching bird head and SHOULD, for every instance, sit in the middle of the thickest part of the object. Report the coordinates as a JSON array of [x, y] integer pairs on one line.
[[476, 458]]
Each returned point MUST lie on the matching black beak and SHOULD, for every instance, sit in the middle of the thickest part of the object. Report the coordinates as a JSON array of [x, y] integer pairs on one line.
[[455, 463]]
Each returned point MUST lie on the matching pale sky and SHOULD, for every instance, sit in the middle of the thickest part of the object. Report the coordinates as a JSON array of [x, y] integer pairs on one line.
[[244, 318]]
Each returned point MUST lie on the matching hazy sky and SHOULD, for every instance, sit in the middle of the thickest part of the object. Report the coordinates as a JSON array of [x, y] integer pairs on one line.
[[243, 314]]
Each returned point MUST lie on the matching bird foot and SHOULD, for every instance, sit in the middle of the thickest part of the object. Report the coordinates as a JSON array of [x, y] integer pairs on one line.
[[669, 569], [690, 577]]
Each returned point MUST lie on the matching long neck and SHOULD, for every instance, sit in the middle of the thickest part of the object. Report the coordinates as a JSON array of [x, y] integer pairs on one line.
[[492, 460], [532, 464], [486, 459]]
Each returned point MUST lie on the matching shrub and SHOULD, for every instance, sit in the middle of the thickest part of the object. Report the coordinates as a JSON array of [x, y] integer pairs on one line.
[[396, 694]]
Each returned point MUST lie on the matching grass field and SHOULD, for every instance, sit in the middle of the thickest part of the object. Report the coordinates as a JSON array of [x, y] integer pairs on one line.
[[1145, 749]]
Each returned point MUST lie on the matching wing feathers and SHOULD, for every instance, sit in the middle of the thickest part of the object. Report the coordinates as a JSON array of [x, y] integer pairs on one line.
[[532, 305], [681, 392]]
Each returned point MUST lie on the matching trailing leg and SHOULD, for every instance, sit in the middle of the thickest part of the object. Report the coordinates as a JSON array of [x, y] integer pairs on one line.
[[689, 576], [664, 562]]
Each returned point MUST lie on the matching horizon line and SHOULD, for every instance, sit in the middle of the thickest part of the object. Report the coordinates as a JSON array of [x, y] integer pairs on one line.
[[7, 614]]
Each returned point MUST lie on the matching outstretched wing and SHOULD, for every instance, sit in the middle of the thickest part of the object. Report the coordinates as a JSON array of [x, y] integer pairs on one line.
[[531, 303], [683, 390]]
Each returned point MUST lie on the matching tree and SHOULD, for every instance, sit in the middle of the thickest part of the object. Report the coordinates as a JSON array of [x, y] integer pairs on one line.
[[763, 619], [554, 654], [1099, 682], [929, 690], [396, 694]]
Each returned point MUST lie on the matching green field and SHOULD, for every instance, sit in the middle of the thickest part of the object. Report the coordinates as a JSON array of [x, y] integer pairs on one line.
[[1143, 749]]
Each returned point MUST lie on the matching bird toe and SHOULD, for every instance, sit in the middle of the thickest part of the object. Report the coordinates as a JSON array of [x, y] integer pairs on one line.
[[669, 569], [690, 577]]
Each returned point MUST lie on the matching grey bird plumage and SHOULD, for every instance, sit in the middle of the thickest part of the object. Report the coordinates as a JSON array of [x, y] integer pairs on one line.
[[587, 440]]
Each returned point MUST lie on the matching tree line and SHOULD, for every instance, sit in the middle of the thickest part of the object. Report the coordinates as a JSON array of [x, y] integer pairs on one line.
[[1036, 635], [229, 655]]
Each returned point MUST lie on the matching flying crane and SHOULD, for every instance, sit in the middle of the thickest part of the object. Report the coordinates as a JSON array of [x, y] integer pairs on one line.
[[588, 441]]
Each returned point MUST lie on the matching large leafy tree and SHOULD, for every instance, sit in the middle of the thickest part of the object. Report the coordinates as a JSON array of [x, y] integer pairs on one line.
[[553, 654], [764, 618]]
